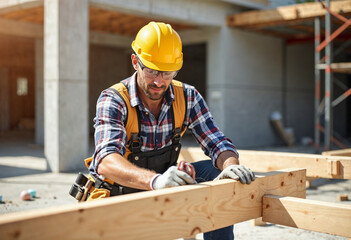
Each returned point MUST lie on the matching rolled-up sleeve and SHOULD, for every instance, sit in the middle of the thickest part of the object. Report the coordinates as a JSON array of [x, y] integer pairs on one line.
[[110, 134], [203, 127]]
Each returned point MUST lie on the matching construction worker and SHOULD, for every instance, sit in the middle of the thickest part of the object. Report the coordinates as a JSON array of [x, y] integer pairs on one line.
[[139, 123]]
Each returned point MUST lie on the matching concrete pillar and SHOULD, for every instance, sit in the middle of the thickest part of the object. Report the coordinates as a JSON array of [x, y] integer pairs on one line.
[[39, 92], [66, 49]]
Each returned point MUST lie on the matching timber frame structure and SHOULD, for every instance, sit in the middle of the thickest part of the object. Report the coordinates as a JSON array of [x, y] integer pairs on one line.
[[302, 23], [276, 196]]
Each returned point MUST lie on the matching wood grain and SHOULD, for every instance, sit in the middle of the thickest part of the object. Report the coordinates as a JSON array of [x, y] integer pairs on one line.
[[163, 214], [332, 218], [317, 166]]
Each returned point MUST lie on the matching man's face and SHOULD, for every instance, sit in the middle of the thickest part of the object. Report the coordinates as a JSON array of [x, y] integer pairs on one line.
[[153, 87]]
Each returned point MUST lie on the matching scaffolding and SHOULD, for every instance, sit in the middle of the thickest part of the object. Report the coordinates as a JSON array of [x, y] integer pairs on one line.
[[326, 64], [301, 23]]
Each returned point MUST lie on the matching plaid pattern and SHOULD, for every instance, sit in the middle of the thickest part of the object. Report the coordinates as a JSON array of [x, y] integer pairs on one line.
[[111, 112]]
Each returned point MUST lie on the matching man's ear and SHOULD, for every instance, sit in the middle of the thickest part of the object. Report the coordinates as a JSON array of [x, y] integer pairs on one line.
[[134, 61]]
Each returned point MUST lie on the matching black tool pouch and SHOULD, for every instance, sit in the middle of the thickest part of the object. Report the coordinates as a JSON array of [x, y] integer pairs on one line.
[[157, 160]]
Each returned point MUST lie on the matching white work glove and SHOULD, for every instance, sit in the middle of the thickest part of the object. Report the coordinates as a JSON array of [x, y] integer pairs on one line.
[[172, 178], [244, 174]]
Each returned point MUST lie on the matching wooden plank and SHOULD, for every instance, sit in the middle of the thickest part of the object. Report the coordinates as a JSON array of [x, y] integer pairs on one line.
[[10, 6], [325, 217], [163, 214], [103, 20], [341, 152], [285, 14], [318, 166], [279, 128], [341, 67]]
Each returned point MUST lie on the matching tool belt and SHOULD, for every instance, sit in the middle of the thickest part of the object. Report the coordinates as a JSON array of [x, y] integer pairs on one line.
[[157, 160]]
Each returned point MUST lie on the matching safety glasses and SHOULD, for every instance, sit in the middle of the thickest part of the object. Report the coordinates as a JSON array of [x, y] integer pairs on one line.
[[151, 73]]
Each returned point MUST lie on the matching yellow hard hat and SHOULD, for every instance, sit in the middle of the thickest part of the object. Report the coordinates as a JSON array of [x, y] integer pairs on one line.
[[159, 47]]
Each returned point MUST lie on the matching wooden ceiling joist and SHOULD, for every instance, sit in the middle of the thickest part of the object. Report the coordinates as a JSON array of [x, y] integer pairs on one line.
[[282, 15], [100, 20]]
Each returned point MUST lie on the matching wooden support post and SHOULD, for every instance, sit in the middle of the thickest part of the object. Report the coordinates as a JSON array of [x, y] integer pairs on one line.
[[163, 214], [332, 218], [258, 222]]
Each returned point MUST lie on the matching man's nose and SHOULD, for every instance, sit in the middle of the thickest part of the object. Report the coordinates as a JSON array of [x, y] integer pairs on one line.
[[158, 80]]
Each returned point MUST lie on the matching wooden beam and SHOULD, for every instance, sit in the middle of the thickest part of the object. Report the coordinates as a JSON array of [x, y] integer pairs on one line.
[[22, 29], [10, 6], [325, 217], [281, 15], [163, 214], [318, 166], [341, 152], [341, 67]]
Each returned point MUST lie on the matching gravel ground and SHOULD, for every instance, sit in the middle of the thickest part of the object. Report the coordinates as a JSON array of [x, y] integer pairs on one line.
[[23, 166]]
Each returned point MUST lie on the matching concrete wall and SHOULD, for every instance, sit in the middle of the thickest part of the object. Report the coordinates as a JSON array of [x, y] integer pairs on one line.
[[193, 71], [17, 61], [107, 66], [299, 113], [250, 89], [342, 112]]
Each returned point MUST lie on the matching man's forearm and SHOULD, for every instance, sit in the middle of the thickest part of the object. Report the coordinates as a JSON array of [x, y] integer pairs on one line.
[[226, 159], [121, 171]]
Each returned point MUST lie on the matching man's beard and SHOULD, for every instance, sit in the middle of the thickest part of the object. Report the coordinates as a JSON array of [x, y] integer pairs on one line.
[[156, 95]]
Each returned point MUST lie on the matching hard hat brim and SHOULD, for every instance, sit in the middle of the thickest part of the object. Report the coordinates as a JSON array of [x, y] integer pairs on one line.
[[162, 66]]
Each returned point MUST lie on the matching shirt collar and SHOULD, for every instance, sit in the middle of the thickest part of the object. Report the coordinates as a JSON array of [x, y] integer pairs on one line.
[[133, 93]]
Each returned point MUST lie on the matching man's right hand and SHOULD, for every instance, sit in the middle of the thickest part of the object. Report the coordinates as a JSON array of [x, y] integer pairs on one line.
[[172, 178]]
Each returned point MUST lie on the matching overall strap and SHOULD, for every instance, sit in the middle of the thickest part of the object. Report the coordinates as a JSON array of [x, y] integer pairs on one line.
[[132, 125], [179, 108]]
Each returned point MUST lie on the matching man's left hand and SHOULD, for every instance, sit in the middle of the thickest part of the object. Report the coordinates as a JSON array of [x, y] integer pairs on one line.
[[244, 174]]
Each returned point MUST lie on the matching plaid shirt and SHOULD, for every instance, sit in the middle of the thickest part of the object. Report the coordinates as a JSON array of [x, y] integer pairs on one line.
[[111, 113]]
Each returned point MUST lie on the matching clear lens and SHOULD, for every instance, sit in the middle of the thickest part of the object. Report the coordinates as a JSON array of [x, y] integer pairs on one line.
[[150, 73]]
